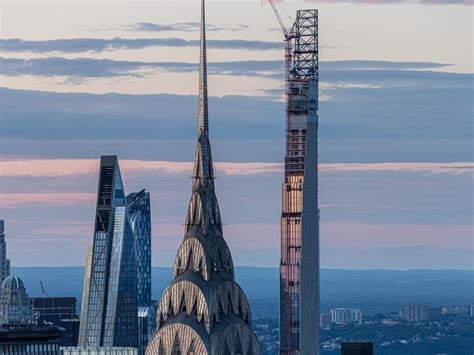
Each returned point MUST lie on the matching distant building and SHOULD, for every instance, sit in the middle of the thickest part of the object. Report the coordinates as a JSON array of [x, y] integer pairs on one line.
[[4, 262], [325, 321], [346, 315], [414, 312], [15, 306], [109, 312], [461, 310], [30, 339], [447, 310], [98, 351], [60, 311], [357, 348]]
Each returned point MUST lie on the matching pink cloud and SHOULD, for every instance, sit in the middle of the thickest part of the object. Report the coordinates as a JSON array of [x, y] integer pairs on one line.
[[10, 200], [74, 167]]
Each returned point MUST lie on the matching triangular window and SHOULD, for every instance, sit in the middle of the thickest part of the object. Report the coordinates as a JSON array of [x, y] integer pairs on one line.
[[161, 349], [192, 349], [176, 346]]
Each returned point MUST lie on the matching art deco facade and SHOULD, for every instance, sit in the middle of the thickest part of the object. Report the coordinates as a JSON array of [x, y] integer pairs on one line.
[[109, 310], [203, 310]]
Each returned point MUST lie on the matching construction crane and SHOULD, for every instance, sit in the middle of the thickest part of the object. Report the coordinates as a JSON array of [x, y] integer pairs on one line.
[[43, 291], [288, 34]]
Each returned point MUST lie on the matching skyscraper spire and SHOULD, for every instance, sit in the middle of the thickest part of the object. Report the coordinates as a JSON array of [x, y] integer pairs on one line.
[[203, 124], [203, 210], [203, 310]]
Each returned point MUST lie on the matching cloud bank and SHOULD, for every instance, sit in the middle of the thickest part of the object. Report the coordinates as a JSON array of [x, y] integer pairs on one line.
[[77, 45], [77, 167], [182, 27]]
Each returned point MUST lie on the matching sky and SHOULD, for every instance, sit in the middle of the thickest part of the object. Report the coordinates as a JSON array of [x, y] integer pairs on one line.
[[85, 79]]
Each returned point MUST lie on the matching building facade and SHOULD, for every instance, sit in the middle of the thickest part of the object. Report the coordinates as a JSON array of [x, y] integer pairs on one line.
[[414, 312], [146, 326], [203, 310], [140, 218], [344, 316], [93, 350], [4, 262], [357, 348], [299, 263], [15, 306], [109, 312], [139, 211], [30, 339]]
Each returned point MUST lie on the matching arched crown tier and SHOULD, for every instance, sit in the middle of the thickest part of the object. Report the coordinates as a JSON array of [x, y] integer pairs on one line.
[[204, 256], [188, 297]]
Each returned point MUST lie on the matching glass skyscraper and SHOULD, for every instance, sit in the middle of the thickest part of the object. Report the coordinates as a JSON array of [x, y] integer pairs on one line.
[[109, 310], [140, 217], [139, 212]]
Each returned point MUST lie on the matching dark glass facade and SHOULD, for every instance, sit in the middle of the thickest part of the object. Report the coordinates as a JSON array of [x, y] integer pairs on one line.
[[139, 211], [357, 348], [110, 303], [140, 217], [53, 309]]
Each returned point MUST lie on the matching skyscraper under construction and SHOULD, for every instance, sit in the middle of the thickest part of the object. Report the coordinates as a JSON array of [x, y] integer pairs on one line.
[[299, 265]]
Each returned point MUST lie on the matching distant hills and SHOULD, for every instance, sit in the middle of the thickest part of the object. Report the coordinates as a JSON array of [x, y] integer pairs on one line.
[[372, 290]]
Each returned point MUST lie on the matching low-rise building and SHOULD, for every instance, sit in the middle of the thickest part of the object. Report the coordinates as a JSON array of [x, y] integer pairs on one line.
[[60, 311], [29, 339], [346, 315]]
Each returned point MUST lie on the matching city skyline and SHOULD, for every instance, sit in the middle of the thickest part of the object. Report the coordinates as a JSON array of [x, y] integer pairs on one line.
[[374, 213]]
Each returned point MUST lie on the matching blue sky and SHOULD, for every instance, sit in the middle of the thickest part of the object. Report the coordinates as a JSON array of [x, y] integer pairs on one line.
[[80, 79]]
